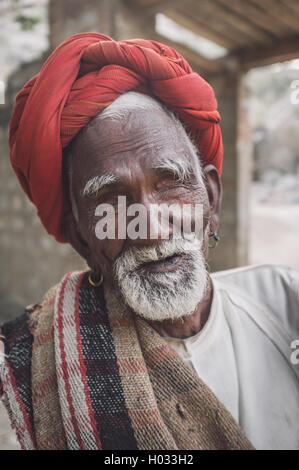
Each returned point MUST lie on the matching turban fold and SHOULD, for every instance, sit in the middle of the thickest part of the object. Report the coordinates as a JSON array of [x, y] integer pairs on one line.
[[82, 77]]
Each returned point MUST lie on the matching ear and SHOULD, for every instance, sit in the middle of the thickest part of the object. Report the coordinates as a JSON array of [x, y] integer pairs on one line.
[[73, 236], [214, 189]]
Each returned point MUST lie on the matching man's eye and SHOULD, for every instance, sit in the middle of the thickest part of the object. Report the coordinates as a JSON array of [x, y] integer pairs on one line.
[[171, 185]]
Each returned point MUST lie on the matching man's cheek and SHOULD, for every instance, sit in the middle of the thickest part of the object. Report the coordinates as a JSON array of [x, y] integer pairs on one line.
[[105, 252]]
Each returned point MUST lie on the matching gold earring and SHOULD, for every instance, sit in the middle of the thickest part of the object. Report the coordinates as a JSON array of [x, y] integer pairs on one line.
[[216, 239], [97, 283]]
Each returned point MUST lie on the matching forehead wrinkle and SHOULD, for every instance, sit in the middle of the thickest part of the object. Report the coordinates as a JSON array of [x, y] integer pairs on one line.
[[140, 145], [107, 134], [135, 143]]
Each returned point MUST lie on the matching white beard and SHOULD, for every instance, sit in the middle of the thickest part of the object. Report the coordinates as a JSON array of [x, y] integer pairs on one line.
[[160, 296]]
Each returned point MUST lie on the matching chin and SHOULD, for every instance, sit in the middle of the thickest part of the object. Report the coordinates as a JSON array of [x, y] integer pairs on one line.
[[167, 295]]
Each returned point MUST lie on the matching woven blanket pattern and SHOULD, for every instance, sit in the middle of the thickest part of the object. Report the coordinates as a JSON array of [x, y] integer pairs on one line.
[[48, 426], [192, 413], [15, 378]]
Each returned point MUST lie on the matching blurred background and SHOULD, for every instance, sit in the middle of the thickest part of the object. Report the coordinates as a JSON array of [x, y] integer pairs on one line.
[[249, 52]]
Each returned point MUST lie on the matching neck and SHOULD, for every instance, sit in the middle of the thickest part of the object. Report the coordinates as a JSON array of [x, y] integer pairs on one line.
[[189, 325]]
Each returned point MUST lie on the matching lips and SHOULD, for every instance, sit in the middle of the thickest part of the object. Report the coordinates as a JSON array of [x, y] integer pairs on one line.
[[171, 263]]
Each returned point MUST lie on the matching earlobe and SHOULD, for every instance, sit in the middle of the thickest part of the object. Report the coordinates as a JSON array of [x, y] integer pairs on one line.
[[72, 234], [214, 190], [214, 187]]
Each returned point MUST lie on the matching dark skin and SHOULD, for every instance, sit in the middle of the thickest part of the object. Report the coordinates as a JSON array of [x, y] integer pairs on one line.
[[129, 149]]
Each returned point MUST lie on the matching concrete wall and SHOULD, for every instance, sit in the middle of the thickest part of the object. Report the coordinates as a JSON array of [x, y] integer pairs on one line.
[[31, 260]]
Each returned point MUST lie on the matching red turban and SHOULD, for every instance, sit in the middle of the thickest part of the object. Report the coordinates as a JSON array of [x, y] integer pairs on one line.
[[81, 77]]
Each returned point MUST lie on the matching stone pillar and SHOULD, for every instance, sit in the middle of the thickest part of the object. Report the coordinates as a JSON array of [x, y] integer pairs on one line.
[[110, 17], [70, 17], [236, 176]]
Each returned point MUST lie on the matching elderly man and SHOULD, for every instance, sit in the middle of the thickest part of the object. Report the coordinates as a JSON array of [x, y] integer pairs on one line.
[[145, 349]]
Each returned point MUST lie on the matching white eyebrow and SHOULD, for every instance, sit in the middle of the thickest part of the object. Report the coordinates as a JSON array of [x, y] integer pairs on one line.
[[182, 169], [95, 184]]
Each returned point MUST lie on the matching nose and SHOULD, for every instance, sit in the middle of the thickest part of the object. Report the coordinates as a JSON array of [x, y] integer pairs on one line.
[[153, 226]]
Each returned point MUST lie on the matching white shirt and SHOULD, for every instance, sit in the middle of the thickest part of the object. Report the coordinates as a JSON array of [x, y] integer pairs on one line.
[[243, 353]]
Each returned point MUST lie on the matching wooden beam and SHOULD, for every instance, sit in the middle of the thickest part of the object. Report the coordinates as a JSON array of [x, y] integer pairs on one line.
[[196, 60], [202, 29], [243, 22], [288, 18], [238, 26], [256, 15], [259, 56], [204, 15], [171, 8], [292, 5]]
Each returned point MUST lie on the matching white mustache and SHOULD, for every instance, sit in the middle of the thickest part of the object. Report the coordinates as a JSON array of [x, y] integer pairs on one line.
[[134, 258]]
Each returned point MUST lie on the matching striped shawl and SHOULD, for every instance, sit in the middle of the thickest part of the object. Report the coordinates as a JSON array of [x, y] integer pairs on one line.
[[81, 371]]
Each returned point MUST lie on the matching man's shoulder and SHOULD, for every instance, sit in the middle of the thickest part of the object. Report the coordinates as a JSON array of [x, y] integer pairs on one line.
[[276, 287], [257, 273]]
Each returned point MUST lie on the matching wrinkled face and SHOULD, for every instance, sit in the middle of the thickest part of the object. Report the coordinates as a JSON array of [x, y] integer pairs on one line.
[[150, 161]]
